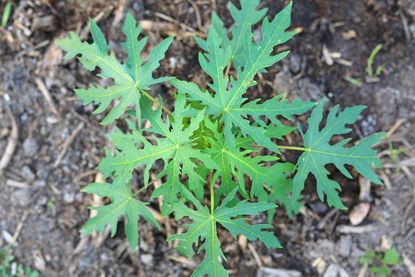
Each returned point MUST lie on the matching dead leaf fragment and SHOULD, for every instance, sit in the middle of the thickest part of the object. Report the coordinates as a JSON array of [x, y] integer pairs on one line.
[[348, 35], [359, 213]]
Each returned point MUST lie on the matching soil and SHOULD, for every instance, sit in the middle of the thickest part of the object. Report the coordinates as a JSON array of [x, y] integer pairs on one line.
[[60, 142]]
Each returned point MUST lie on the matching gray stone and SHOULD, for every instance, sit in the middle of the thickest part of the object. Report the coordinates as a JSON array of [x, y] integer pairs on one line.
[[332, 271], [326, 246], [412, 29], [146, 259], [344, 245], [282, 82], [276, 272], [307, 90], [68, 197], [39, 183], [388, 102], [144, 246], [30, 147], [43, 200], [343, 272], [295, 63], [319, 207], [27, 173], [22, 197]]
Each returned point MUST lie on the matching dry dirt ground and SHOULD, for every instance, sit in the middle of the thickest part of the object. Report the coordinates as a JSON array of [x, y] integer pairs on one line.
[[60, 143]]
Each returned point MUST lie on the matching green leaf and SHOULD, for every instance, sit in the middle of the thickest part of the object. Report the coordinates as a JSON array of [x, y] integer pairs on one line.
[[381, 270], [124, 204], [6, 13], [204, 227], [281, 186], [174, 146], [268, 183], [228, 102], [226, 217], [320, 151], [391, 257], [244, 20], [130, 79]]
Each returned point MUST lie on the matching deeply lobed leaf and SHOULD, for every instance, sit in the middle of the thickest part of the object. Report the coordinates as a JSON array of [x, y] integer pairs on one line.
[[268, 183], [124, 204], [204, 226], [173, 145], [319, 152], [228, 102], [130, 79]]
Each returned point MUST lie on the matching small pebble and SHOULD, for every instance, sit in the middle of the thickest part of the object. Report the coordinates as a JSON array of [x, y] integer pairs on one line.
[[22, 197], [39, 183], [344, 246], [43, 200], [295, 63], [147, 259], [30, 147], [332, 271], [68, 197], [27, 173]]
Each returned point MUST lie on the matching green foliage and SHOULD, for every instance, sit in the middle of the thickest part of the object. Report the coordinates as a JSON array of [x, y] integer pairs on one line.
[[131, 79], [173, 146], [205, 226], [355, 82], [123, 203], [6, 13], [381, 263], [370, 61], [229, 102], [395, 154], [6, 265], [216, 143], [320, 151]]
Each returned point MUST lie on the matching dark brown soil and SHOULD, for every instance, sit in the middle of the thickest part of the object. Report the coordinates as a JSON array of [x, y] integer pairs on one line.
[[40, 199]]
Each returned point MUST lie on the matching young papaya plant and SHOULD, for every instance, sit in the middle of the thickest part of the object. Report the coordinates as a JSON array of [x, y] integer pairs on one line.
[[219, 151]]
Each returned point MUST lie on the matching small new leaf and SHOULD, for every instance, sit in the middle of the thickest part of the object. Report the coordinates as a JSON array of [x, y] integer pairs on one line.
[[244, 19], [130, 79], [268, 183], [319, 152], [122, 203], [228, 102]]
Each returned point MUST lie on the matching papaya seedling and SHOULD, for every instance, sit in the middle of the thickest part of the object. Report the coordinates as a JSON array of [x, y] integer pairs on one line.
[[220, 152]]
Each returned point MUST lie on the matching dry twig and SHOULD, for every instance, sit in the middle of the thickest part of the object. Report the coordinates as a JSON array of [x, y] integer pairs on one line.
[[181, 260], [255, 254], [346, 229], [41, 86], [11, 143], [20, 226], [67, 143], [409, 265]]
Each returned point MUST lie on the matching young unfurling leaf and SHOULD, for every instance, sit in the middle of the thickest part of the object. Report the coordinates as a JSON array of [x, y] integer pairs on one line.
[[245, 19], [268, 183], [228, 102]]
